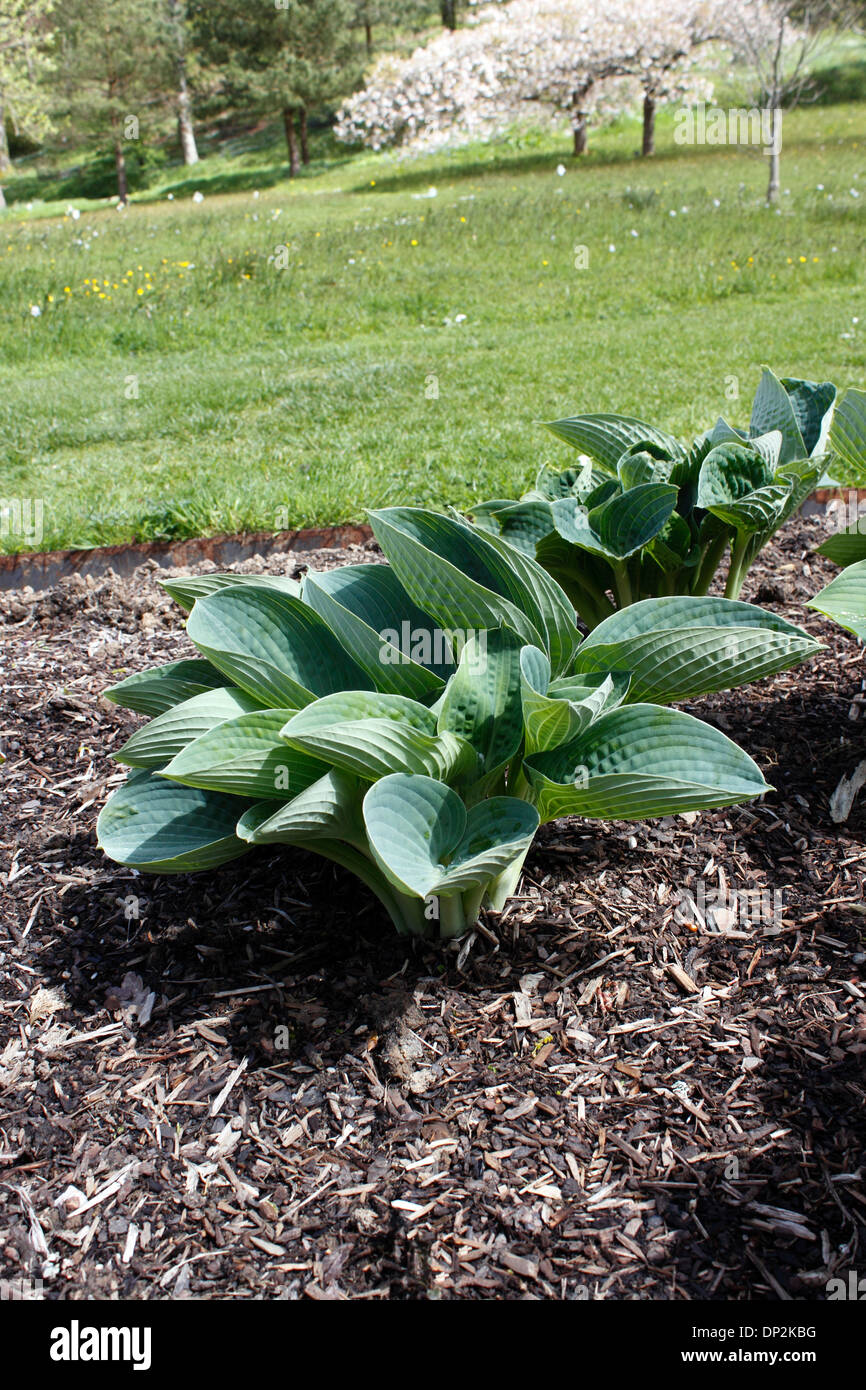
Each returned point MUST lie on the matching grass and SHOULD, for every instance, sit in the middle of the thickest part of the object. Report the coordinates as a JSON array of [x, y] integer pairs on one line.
[[177, 381]]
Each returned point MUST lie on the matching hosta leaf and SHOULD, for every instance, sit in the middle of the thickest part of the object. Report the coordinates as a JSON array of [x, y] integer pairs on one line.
[[328, 808], [844, 599], [551, 483], [812, 403], [848, 440], [773, 409], [246, 757], [674, 546], [846, 547], [605, 438], [640, 761], [619, 527], [760, 512], [640, 466], [522, 524], [556, 712], [684, 646], [425, 841], [156, 743], [373, 734], [154, 691], [468, 580], [187, 588], [273, 646], [731, 472], [482, 702], [157, 826], [628, 522], [389, 636]]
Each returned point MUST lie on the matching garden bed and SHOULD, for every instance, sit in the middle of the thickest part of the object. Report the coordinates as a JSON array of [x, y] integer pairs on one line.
[[604, 1093]]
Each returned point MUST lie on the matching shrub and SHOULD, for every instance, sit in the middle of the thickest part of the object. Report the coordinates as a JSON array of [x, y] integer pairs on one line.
[[644, 514], [416, 721]]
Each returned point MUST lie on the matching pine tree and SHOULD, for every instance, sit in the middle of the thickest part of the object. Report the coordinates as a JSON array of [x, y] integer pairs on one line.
[[25, 36], [114, 72]]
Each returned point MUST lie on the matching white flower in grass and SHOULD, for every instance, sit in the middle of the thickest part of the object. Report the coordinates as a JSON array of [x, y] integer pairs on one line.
[[35, 311], [560, 169], [198, 197]]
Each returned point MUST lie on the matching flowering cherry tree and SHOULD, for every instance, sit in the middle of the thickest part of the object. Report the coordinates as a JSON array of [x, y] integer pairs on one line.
[[582, 58]]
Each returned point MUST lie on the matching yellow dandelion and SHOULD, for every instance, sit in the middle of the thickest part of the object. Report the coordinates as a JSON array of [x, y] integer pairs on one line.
[[803, 260], [139, 290], [413, 242], [66, 289], [463, 219]]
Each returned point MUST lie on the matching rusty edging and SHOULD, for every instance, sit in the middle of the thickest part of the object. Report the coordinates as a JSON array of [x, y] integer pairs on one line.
[[42, 569]]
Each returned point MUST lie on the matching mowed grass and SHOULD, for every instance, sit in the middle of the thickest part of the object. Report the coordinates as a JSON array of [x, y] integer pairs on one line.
[[294, 358]]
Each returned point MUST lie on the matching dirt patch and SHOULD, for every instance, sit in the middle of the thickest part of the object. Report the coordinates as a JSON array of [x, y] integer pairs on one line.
[[632, 1083]]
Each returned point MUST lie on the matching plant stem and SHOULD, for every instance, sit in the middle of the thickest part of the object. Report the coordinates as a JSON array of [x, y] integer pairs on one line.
[[739, 568], [709, 564], [622, 584], [452, 921]]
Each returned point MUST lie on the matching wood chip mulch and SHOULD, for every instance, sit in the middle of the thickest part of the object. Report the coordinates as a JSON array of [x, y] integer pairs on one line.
[[245, 1085]]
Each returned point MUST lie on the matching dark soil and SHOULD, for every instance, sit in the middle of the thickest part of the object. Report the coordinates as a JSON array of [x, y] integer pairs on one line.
[[612, 1091]]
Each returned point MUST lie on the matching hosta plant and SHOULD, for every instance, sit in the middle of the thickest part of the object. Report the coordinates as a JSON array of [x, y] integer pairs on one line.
[[335, 717], [643, 514]]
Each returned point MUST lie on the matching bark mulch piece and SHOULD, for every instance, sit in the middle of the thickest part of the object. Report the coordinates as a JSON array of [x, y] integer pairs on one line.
[[633, 1083]]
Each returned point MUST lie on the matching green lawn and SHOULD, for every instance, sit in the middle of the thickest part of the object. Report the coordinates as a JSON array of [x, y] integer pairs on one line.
[[177, 382]]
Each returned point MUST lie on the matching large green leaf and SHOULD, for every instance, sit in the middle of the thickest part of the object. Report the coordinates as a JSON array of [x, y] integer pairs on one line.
[[157, 826], [185, 589], [482, 702], [273, 646], [329, 808], [729, 473], [156, 743], [640, 761], [680, 647], [551, 483], [844, 599], [773, 409], [388, 635], [557, 712], [523, 524], [471, 581], [247, 757], [425, 841], [605, 438], [846, 547], [154, 691], [626, 523], [374, 734], [848, 440], [812, 403]]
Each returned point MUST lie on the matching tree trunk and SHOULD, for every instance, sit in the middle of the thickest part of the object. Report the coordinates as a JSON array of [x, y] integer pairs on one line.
[[649, 124], [448, 10], [289, 124], [184, 105], [368, 35], [579, 130], [775, 154], [5, 161], [305, 144], [120, 166], [184, 117]]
